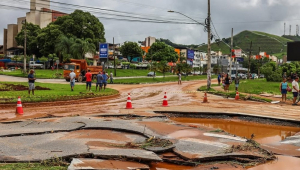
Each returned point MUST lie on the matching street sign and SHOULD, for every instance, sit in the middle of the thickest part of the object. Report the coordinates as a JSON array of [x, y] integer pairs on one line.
[[238, 52], [103, 50], [57, 61]]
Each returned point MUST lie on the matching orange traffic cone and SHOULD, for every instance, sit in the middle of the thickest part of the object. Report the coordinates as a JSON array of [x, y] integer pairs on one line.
[[237, 96], [165, 102], [129, 105], [19, 109], [205, 98]]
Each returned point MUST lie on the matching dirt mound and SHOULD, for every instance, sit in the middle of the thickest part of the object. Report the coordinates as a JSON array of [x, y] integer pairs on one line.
[[13, 87]]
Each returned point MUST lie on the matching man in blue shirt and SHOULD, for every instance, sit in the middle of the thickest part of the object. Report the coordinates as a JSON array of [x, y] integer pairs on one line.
[[99, 81], [219, 78], [31, 81], [105, 78]]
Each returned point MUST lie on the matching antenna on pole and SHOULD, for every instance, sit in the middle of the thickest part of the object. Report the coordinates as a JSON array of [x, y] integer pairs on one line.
[[290, 29], [297, 30], [284, 29]]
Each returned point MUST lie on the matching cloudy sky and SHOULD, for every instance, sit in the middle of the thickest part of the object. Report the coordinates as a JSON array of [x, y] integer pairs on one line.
[[259, 15]]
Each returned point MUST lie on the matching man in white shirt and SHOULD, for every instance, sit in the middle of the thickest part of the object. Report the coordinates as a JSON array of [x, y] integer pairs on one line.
[[72, 79], [295, 89], [179, 78], [111, 78]]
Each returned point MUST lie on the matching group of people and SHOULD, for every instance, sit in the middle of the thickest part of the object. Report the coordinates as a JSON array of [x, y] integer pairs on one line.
[[101, 80], [226, 81], [284, 88]]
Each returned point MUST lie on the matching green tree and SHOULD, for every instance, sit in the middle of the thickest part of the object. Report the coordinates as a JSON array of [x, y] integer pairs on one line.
[[82, 25], [196, 69], [44, 60], [160, 51], [16, 58], [48, 38], [131, 50], [216, 69], [31, 38], [164, 67], [186, 68], [81, 47], [63, 47]]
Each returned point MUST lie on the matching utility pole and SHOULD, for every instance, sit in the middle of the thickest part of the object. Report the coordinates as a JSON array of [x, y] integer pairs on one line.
[[25, 46], [258, 59], [231, 48], [249, 59], [115, 71], [208, 48], [284, 29]]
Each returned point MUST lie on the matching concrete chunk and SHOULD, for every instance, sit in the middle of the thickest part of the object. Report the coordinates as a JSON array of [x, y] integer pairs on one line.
[[100, 164]]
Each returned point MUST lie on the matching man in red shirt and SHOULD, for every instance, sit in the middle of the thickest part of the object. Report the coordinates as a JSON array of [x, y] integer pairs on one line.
[[88, 77]]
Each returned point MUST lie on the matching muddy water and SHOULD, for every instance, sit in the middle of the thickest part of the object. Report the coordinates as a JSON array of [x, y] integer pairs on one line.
[[283, 163], [263, 133]]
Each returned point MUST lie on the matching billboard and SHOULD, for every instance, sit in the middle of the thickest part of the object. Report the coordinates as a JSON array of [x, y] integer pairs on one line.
[[189, 62], [238, 52], [103, 50], [190, 54], [240, 60], [293, 51]]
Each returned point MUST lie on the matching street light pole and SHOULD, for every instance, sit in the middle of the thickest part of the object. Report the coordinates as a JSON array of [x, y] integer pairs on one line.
[[25, 46], [208, 48]]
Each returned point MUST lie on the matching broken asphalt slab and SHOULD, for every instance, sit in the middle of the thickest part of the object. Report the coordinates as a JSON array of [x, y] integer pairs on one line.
[[35, 127], [47, 146], [100, 164]]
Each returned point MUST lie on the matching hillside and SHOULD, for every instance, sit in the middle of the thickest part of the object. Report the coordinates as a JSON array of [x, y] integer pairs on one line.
[[269, 43], [167, 41], [291, 37]]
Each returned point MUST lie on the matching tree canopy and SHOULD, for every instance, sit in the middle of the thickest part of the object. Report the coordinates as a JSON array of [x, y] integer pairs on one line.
[[131, 50], [160, 51], [31, 38], [82, 25]]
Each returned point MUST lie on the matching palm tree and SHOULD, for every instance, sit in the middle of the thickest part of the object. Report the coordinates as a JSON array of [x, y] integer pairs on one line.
[[81, 47], [64, 45]]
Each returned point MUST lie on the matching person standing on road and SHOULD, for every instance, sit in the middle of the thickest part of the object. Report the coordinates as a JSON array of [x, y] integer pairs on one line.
[[219, 79], [31, 81], [227, 83], [88, 77], [111, 78], [283, 88], [295, 90], [99, 81], [237, 82], [105, 78], [179, 78], [72, 79]]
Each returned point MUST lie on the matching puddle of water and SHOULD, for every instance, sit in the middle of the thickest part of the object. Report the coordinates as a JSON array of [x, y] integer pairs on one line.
[[283, 162], [263, 133]]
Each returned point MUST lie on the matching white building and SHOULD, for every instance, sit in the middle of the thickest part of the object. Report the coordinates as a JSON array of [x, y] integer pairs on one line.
[[149, 41]]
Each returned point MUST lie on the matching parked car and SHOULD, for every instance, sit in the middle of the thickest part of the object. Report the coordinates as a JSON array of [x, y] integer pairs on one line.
[[242, 76], [254, 75], [233, 76], [151, 74], [261, 76]]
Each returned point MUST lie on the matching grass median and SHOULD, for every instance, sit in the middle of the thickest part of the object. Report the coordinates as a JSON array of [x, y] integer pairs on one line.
[[257, 86], [48, 92], [39, 73], [48, 74], [159, 80]]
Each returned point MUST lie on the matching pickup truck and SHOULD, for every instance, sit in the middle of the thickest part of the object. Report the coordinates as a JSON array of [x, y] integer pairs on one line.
[[32, 64]]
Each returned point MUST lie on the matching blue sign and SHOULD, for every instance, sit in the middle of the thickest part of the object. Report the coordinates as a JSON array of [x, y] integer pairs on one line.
[[103, 51], [240, 60], [189, 62], [190, 54]]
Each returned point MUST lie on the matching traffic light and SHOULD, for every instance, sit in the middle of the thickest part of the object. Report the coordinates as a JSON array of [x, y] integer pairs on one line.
[[232, 53]]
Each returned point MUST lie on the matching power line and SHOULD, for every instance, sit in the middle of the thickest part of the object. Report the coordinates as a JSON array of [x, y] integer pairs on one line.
[[120, 19]]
